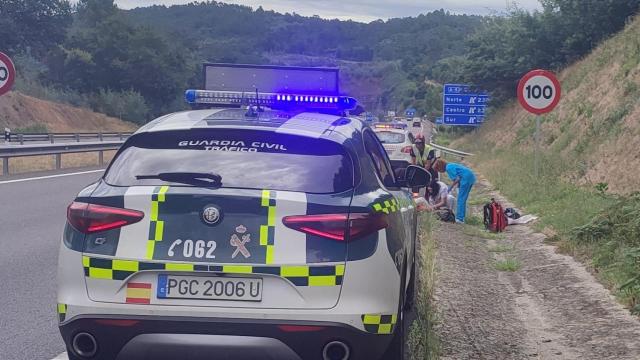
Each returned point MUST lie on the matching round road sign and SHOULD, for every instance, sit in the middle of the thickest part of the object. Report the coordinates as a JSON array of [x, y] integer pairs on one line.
[[539, 91], [7, 74]]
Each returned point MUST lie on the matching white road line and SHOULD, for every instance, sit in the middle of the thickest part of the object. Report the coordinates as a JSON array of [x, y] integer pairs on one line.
[[62, 356], [50, 176]]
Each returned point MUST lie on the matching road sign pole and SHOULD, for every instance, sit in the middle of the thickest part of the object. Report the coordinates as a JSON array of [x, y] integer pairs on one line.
[[539, 92], [537, 154]]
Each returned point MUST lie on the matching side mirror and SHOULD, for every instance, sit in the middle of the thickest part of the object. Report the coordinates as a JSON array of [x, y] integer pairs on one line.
[[417, 176]]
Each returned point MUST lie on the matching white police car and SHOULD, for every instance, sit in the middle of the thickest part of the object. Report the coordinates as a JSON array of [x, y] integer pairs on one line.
[[397, 140], [273, 231]]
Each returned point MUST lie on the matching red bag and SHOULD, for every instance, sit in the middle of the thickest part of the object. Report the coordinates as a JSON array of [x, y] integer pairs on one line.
[[494, 218]]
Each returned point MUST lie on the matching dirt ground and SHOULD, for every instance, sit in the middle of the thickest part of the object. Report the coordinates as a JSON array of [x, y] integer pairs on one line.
[[550, 307]]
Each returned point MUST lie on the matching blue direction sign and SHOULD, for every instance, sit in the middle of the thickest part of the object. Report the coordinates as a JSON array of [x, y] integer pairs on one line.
[[463, 105], [439, 120], [369, 117]]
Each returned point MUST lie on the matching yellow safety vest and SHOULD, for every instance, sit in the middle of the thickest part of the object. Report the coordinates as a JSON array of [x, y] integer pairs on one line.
[[421, 159]]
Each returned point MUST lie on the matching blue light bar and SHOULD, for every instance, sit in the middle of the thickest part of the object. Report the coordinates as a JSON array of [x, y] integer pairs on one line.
[[270, 100]]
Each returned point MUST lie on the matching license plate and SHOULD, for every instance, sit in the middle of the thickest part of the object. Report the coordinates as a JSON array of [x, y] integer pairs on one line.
[[209, 288]]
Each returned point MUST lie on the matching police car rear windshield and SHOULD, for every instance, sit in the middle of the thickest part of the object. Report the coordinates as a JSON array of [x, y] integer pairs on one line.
[[388, 137], [245, 159]]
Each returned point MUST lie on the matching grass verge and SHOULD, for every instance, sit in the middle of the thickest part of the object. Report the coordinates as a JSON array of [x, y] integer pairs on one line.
[[599, 229], [481, 233], [422, 340], [501, 248], [509, 264]]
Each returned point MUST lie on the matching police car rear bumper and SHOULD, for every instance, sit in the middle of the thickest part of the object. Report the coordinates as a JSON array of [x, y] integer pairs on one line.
[[175, 338]]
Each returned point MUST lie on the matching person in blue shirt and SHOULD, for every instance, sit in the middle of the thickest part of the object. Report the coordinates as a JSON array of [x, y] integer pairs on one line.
[[462, 177]]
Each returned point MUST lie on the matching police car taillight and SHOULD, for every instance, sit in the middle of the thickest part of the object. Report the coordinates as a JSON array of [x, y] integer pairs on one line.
[[92, 218], [337, 226]]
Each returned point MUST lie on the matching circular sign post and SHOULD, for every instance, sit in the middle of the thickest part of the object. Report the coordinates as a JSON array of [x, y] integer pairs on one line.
[[539, 92], [7, 74]]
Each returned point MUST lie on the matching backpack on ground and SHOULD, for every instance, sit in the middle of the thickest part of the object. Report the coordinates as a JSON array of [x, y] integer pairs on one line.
[[494, 218], [512, 213], [446, 215]]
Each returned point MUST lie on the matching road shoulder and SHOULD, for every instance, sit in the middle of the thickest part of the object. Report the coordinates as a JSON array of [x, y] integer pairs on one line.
[[511, 296]]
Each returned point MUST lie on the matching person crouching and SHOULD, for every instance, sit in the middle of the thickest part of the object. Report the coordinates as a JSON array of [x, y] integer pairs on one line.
[[462, 177]]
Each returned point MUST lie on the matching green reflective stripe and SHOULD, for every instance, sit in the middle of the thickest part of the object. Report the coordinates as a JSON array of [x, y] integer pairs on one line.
[[179, 267], [238, 269], [62, 312], [125, 265], [299, 275], [294, 271], [267, 231], [264, 235], [379, 323], [386, 206], [156, 226]]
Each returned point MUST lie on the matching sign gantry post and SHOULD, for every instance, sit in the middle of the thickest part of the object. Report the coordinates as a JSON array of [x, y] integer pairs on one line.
[[539, 93]]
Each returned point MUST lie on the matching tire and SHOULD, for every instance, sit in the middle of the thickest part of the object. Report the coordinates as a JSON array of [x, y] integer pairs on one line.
[[411, 289]]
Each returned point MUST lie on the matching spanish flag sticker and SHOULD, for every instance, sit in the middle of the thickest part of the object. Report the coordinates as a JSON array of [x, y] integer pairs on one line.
[[138, 293]]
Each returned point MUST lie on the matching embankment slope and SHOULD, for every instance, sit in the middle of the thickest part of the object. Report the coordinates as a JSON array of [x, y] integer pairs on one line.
[[595, 129], [21, 111]]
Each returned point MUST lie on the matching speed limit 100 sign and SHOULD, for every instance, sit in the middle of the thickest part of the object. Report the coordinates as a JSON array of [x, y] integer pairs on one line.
[[539, 91], [7, 74]]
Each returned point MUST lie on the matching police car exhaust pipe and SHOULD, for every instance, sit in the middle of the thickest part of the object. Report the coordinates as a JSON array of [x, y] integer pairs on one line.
[[335, 350], [84, 345]]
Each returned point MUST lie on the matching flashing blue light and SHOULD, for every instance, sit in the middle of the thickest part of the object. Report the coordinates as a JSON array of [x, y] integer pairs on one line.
[[275, 101]]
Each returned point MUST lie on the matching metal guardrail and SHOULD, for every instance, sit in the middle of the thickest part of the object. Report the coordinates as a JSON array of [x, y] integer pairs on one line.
[[68, 137], [453, 152], [56, 150]]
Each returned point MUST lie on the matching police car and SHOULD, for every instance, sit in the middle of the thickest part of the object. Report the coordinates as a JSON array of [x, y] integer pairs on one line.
[[397, 141], [262, 225]]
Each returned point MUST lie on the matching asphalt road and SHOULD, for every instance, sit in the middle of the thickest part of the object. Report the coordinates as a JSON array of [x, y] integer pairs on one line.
[[32, 215]]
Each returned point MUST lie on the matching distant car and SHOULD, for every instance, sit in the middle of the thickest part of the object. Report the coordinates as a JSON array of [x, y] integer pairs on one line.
[[277, 232], [397, 143]]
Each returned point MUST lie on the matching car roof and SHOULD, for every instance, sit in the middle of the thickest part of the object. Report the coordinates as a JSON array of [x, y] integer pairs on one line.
[[308, 124]]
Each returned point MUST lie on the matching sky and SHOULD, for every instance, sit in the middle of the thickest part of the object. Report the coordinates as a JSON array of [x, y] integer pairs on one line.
[[361, 10]]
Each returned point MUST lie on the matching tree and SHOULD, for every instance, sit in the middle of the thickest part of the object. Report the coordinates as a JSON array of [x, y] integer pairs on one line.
[[33, 26]]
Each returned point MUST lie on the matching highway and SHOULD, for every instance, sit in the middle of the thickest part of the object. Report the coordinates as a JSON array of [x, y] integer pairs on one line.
[[32, 215]]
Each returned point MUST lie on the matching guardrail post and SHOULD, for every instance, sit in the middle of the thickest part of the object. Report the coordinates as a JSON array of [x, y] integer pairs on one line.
[[5, 166], [120, 136], [21, 139], [100, 136], [100, 157], [51, 138], [77, 137], [58, 161]]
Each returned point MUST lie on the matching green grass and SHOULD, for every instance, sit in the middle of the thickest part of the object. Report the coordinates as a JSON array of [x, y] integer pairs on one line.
[[422, 340], [600, 229], [509, 264], [474, 220], [474, 231], [501, 248], [37, 128]]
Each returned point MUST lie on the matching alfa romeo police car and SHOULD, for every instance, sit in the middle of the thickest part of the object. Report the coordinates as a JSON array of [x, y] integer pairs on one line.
[[263, 225]]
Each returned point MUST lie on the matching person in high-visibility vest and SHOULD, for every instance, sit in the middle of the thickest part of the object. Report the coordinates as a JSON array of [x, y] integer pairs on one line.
[[422, 155]]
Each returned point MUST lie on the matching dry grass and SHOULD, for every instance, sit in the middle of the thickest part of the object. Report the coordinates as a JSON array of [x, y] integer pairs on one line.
[[422, 341], [47, 162], [595, 129]]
